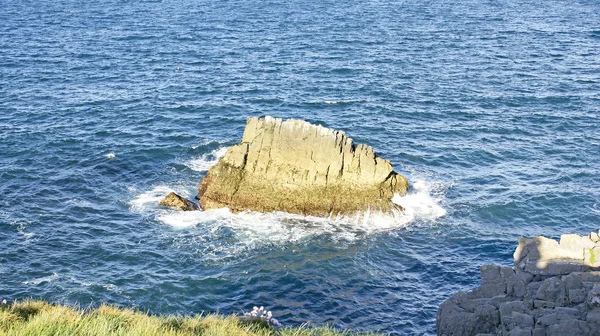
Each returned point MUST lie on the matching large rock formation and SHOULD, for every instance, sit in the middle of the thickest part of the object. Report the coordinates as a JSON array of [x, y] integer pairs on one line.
[[554, 289], [300, 168]]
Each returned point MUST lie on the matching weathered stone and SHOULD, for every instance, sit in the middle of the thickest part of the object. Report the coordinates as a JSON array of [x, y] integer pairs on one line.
[[593, 317], [174, 200], [538, 332], [528, 303], [524, 321], [577, 295], [489, 273], [575, 243], [570, 327], [507, 308], [539, 312], [520, 332], [588, 285], [301, 168], [594, 237], [506, 322], [591, 276], [516, 285], [496, 301], [593, 297], [540, 304], [490, 290], [573, 281], [567, 313], [506, 272], [547, 320], [545, 256], [489, 317], [552, 289], [453, 320], [532, 288], [474, 304]]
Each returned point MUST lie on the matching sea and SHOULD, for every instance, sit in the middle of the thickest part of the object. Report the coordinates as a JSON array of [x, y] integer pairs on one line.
[[490, 108]]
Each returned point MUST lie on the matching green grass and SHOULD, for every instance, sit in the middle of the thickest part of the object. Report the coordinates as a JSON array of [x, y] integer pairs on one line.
[[31, 317]]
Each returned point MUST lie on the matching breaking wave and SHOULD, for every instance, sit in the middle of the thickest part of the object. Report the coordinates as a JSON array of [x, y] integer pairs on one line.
[[420, 202], [250, 230], [204, 162]]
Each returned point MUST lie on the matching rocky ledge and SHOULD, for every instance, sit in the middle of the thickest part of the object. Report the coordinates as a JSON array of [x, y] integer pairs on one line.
[[554, 289], [297, 167]]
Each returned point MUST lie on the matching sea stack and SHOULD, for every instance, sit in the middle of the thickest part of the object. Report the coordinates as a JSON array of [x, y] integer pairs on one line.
[[300, 168]]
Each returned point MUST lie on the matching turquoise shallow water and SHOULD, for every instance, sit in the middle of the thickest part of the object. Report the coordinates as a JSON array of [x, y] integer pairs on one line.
[[491, 109]]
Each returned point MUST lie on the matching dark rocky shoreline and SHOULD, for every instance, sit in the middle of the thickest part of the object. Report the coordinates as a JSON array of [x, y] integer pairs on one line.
[[553, 290]]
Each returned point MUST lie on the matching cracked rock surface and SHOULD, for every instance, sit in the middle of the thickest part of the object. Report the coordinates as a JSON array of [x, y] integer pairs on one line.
[[554, 289], [300, 168]]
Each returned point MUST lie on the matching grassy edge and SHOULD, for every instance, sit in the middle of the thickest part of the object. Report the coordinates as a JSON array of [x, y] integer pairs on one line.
[[34, 317]]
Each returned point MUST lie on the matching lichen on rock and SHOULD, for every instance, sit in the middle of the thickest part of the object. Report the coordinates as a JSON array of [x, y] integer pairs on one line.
[[300, 168]]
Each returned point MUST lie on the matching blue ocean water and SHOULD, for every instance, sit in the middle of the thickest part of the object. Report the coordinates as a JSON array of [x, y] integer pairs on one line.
[[491, 108]]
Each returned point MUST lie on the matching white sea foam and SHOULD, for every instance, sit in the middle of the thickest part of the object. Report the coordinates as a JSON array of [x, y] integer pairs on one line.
[[110, 155], [75, 280], [204, 162], [335, 102], [203, 143], [149, 200], [419, 203], [250, 230], [38, 281], [110, 287], [21, 227], [281, 226], [27, 235]]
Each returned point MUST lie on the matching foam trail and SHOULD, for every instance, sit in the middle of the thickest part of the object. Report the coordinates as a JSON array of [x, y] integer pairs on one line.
[[336, 102], [38, 281], [223, 234], [204, 162]]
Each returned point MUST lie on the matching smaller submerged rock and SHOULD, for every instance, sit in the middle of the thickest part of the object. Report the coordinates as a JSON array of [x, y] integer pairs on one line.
[[174, 200]]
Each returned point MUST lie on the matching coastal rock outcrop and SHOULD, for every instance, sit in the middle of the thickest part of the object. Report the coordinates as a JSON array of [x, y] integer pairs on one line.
[[174, 200], [300, 168], [554, 289]]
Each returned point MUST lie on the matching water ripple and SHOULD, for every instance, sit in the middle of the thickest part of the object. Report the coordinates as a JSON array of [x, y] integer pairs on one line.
[[107, 106]]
